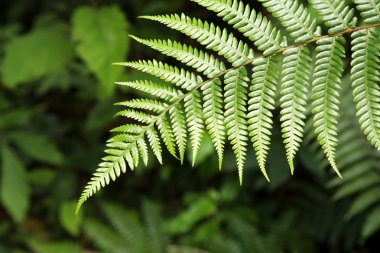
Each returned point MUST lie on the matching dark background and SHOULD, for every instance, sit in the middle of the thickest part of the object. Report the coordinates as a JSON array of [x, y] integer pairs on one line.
[[56, 110]]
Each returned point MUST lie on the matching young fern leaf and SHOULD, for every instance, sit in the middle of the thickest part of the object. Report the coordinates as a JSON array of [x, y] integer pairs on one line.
[[235, 98], [366, 78], [294, 90], [213, 98], [261, 103], [326, 87]]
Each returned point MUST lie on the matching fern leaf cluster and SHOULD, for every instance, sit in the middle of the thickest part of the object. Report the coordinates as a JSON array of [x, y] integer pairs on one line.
[[229, 88], [359, 162]]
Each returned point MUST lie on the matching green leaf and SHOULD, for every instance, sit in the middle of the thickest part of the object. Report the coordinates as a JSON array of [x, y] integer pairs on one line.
[[261, 104], [101, 39], [15, 118], [69, 220], [38, 147], [41, 176], [105, 238], [50, 50], [200, 208], [235, 100], [14, 185], [372, 223], [56, 247]]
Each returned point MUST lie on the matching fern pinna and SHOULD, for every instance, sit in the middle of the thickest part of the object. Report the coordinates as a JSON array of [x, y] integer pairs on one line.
[[231, 94]]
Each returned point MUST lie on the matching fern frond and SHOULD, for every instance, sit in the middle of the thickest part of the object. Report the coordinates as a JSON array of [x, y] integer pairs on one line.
[[358, 162], [296, 74], [167, 134], [187, 106], [213, 109], [179, 77], [336, 14], [177, 116], [104, 237], [197, 59], [361, 183], [143, 148], [261, 103], [195, 121], [213, 37], [162, 91], [126, 224], [325, 93], [366, 77], [295, 17], [235, 93], [144, 103], [139, 116], [372, 223], [253, 25], [155, 144], [128, 128], [363, 201], [369, 10]]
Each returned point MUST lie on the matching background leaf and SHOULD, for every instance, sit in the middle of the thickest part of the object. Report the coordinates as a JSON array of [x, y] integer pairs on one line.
[[101, 39], [200, 208], [38, 147], [59, 247], [36, 54], [14, 185], [69, 220]]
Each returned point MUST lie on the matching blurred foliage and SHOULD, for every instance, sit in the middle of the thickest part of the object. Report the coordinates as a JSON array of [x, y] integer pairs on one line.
[[56, 109]]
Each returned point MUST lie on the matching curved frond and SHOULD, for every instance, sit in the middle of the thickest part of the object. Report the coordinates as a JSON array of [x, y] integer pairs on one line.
[[213, 113], [325, 93], [366, 77], [235, 99], [294, 90], [167, 134], [154, 141], [261, 104], [177, 116], [195, 121]]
